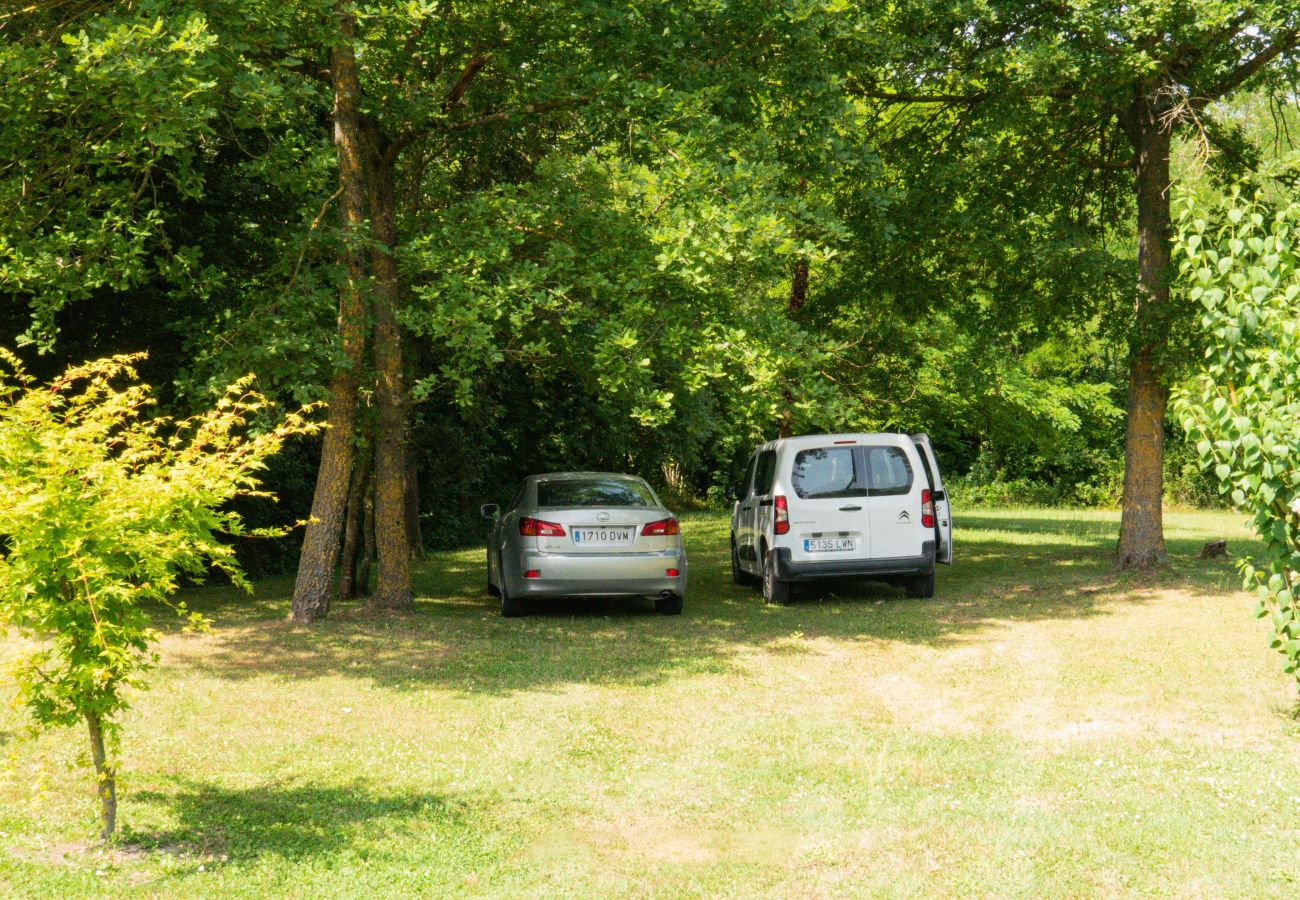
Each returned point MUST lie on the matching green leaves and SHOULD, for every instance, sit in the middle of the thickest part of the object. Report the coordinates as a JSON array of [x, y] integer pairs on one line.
[[105, 510], [1243, 408]]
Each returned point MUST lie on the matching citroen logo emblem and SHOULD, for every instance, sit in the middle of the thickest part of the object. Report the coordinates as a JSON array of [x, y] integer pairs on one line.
[[904, 517]]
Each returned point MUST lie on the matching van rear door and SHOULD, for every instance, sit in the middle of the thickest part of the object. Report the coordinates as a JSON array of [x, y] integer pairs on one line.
[[942, 516], [829, 520], [897, 531]]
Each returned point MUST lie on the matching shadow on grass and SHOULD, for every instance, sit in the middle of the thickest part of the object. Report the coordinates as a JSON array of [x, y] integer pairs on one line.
[[1007, 570], [218, 824]]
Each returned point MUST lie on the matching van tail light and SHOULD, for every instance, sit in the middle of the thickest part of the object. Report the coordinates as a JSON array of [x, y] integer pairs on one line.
[[927, 508], [781, 523], [529, 527], [662, 528]]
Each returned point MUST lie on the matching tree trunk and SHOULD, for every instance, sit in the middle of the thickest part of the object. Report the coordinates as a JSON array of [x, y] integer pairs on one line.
[[367, 536], [393, 587], [320, 546], [352, 538], [1141, 534], [414, 539], [105, 778], [798, 294]]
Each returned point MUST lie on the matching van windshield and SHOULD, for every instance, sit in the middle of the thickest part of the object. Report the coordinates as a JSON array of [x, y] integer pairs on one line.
[[593, 492], [827, 472]]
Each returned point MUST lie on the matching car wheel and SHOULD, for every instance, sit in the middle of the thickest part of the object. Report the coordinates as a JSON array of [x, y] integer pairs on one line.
[[774, 589], [921, 587], [669, 606], [511, 607], [738, 575]]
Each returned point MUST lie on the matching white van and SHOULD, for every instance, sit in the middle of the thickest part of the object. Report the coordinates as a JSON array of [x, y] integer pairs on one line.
[[841, 506]]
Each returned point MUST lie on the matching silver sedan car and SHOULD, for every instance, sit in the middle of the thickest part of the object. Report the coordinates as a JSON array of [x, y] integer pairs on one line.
[[584, 534]]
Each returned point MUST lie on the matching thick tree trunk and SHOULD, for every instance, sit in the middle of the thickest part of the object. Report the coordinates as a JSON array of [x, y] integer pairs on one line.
[[1141, 534], [414, 539], [393, 586], [352, 537], [105, 778], [320, 547]]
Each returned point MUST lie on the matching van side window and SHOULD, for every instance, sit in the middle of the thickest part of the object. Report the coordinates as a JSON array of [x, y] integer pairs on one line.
[[826, 472], [747, 483], [888, 471], [765, 473]]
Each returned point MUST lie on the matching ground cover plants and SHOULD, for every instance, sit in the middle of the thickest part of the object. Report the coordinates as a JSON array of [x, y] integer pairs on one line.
[[1042, 727]]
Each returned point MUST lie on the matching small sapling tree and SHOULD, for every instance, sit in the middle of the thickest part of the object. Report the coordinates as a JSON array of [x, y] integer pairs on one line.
[[104, 509], [1243, 409]]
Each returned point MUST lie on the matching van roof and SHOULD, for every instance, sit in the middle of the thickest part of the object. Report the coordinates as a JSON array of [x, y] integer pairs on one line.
[[820, 440]]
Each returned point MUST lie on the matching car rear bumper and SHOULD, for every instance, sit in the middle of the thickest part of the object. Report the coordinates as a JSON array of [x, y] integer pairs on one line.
[[789, 570], [601, 575]]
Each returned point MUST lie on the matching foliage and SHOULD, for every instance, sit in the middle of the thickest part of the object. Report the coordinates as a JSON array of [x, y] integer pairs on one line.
[[1243, 408], [106, 510]]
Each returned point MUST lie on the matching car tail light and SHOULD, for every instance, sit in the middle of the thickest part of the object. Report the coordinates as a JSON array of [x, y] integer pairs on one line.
[[671, 573], [927, 509], [661, 528], [782, 520], [532, 573], [537, 528]]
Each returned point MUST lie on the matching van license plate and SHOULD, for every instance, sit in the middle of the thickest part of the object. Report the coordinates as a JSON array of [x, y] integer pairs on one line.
[[608, 537], [817, 545]]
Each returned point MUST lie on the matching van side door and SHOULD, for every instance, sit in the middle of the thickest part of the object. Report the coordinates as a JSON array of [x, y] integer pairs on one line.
[[764, 479], [942, 512], [744, 520]]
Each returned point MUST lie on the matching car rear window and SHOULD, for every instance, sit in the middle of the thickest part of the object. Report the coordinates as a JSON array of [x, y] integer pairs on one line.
[[593, 492], [827, 472], [888, 470]]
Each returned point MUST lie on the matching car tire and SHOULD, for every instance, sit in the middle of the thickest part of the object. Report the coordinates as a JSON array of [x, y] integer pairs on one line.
[[738, 575], [669, 606], [774, 589], [921, 587], [511, 608]]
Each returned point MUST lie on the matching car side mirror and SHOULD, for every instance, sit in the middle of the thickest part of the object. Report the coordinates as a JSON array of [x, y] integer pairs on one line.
[[490, 511], [731, 492]]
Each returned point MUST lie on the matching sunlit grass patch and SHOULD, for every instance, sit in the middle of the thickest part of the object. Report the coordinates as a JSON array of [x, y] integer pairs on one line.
[[1044, 726]]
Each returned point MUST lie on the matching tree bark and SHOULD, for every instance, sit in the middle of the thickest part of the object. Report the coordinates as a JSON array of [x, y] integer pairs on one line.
[[367, 536], [798, 294], [105, 777], [1141, 534], [393, 586], [320, 546], [352, 537]]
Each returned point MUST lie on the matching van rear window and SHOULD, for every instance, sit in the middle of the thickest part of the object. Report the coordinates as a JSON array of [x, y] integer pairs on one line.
[[593, 492], [827, 472], [889, 471]]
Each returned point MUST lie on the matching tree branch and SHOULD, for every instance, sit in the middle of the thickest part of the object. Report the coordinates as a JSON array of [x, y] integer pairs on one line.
[[1238, 76], [527, 109], [472, 68]]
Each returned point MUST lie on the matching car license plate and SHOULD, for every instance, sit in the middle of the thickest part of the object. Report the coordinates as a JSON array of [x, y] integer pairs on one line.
[[818, 545], [607, 537]]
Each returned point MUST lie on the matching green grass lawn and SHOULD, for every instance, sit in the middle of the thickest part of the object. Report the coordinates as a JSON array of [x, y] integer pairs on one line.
[[1041, 727]]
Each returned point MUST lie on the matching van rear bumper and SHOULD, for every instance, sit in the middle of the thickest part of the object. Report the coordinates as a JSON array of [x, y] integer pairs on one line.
[[789, 570]]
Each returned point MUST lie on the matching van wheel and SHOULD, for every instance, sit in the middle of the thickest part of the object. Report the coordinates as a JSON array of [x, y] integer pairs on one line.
[[921, 587], [774, 589], [491, 588], [738, 575], [669, 606]]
